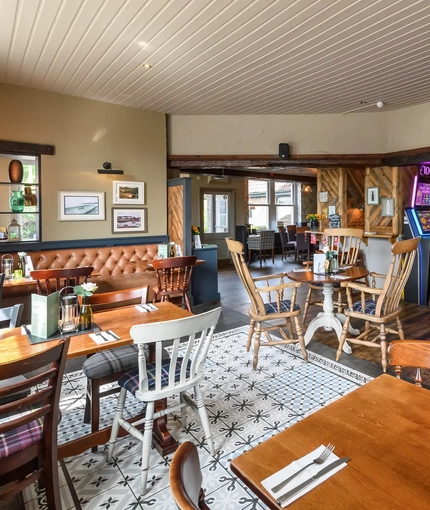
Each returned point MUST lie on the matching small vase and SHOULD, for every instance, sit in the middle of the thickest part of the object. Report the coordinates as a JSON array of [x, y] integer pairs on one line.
[[17, 202], [16, 171], [85, 314], [314, 225]]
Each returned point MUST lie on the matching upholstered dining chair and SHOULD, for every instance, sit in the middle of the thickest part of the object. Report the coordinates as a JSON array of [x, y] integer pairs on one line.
[[303, 247], [107, 366], [51, 280], [174, 279], [165, 377], [263, 243], [346, 241], [409, 353], [268, 303], [379, 306], [28, 426], [287, 246], [185, 478]]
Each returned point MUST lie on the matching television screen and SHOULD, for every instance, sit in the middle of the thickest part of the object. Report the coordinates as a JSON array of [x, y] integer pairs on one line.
[[423, 194]]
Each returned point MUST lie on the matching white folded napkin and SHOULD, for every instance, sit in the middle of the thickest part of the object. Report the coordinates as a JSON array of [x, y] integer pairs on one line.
[[99, 339], [340, 277], [289, 470], [300, 270]]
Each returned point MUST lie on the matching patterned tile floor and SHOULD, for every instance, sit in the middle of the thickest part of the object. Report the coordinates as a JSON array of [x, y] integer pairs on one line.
[[244, 407]]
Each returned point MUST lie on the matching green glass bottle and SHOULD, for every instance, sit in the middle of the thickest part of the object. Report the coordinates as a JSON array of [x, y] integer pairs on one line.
[[85, 314]]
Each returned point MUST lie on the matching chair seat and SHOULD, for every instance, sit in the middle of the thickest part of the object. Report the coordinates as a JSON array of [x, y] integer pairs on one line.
[[285, 306], [21, 438], [110, 362], [369, 307], [130, 380]]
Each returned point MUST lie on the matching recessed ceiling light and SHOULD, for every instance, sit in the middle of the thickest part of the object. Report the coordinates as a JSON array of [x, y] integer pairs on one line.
[[147, 66]]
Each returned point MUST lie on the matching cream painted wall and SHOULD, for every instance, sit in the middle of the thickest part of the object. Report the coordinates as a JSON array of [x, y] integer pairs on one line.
[[408, 128], [86, 133], [262, 134]]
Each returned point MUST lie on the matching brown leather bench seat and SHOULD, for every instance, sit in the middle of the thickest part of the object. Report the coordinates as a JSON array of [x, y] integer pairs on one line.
[[114, 266]]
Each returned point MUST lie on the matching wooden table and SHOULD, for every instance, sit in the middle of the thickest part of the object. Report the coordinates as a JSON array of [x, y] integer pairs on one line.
[[327, 318], [14, 345], [382, 426]]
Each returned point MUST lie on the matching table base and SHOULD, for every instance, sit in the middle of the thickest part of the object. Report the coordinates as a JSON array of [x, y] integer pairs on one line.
[[329, 321]]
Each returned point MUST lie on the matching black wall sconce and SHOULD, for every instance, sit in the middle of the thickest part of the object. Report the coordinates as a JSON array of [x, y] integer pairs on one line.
[[107, 169]]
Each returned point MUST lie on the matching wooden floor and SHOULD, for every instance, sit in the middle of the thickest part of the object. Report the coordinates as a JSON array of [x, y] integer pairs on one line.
[[415, 319]]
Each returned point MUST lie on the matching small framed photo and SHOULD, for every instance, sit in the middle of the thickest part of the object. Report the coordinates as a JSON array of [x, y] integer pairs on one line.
[[323, 196], [388, 207], [81, 205], [130, 193], [129, 220], [372, 195]]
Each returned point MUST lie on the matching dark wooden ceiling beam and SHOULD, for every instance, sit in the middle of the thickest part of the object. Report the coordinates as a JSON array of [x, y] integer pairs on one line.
[[261, 174], [11, 147], [409, 157]]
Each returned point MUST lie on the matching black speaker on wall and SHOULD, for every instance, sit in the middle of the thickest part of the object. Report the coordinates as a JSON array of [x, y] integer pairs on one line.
[[284, 150]]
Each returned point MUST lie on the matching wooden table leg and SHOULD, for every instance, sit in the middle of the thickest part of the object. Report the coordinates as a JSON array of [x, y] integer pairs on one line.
[[163, 442]]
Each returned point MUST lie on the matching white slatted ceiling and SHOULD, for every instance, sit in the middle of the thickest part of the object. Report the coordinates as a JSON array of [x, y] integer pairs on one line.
[[222, 56]]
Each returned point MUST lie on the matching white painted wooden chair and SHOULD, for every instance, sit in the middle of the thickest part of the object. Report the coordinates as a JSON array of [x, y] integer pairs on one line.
[[163, 377]]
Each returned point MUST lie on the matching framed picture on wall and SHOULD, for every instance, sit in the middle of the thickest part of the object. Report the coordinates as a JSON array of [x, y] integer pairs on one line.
[[372, 195], [129, 220], [130, 193], [323, 196], [81, 205], [388, 207]]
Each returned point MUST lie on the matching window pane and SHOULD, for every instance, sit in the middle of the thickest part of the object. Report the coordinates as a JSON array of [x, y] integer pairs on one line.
[[215, 213], [258, 192], [207, 214], [285, 215], [283, 193], [259, 217], [221, 213]]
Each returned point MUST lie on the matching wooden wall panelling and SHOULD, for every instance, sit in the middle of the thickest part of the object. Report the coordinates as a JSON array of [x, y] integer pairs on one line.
[[406, 180], [355, 197], [332, 180], [179, 213]]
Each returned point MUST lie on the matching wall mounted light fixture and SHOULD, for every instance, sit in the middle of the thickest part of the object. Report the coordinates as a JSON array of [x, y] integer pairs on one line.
[[307, 188], [107, 169]]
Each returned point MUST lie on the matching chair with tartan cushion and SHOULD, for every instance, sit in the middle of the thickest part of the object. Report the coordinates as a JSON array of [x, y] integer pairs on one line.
[[264, 242], [269, 302], [160, 377], [28, 426], [379, 306], [106, 367]]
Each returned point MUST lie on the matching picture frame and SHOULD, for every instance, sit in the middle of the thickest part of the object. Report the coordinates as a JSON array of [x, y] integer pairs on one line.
[[128, 192], [323, 196], [372, 195], [81, 206], [129, 220], [388, 207]]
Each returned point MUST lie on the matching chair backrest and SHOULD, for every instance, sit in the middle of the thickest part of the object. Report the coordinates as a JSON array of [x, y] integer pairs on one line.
[[237, 254], [302, 239], [30, 453], [56, 279], [174, 274], [267, 239], [185, 478], [119, 298], [404, 253], [283, 236], [346, 241], [11, 316], [410, 353], [167, 336], [291, 232]]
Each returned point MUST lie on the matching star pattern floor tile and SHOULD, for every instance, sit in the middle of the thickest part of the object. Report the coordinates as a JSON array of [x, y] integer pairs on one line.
[[245, 407]]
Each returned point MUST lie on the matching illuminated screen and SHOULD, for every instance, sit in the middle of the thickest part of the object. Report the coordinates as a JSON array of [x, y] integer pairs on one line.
[[424, 219], [423, 194]]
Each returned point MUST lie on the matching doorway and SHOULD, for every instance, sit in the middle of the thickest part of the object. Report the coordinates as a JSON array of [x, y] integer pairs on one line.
[[217, 219]]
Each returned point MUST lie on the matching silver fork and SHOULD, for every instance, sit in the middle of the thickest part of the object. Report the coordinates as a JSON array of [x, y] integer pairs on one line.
[[319, 460]]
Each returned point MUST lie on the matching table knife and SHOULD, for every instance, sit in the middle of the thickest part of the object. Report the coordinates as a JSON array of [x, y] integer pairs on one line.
[[111, 333], [307, 482]]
